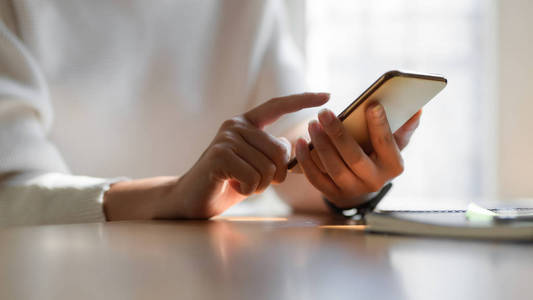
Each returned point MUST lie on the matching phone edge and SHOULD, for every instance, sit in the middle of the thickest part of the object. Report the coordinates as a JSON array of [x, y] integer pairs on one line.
[[370, 90]]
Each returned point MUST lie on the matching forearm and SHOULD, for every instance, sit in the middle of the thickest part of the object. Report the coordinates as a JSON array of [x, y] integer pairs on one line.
[[141, 199]]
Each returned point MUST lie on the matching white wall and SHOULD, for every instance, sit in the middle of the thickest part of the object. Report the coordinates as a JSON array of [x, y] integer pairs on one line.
[[515, 98]]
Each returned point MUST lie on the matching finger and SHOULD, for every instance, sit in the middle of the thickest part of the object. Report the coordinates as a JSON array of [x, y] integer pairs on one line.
[[271, 110], [351, 152], [317, 161], [387, 152], [333, 163], [262, 164], [276, 150], [404, 133], [231, 166], [318, 179]]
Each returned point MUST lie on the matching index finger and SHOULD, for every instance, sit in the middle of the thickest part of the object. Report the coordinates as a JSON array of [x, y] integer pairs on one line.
[[271, 110]]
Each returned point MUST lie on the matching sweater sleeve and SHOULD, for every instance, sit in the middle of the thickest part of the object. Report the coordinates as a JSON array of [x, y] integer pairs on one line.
[[35, 184]]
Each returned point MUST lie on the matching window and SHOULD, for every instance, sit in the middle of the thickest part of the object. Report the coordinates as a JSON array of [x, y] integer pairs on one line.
[[350, 43]]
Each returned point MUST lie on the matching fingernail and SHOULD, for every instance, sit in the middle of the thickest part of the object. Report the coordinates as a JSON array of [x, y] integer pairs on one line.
[[323, 95], [300, 143], [313, 126], [377, 110], [245, 188], [326, 116]]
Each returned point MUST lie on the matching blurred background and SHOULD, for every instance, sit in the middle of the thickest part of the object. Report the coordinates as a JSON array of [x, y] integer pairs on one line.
[[351, 43], [475, 137], [475, 140]]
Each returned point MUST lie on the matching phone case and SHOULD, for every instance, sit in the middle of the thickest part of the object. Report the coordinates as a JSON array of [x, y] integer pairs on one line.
[[401, 93]]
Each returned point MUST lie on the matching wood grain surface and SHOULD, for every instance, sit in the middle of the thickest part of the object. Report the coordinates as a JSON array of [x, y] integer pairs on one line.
[[299, 257]]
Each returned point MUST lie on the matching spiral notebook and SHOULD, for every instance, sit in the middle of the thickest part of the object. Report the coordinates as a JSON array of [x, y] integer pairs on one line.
[[452, 224]]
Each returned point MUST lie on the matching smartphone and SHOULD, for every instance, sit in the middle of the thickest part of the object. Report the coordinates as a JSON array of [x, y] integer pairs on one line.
[[401, 93]]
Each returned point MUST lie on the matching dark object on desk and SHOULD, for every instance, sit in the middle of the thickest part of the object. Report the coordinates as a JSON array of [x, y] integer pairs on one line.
[[362, 209]]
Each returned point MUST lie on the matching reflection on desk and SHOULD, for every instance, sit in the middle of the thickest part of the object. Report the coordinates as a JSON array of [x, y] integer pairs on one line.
[[299, 257]]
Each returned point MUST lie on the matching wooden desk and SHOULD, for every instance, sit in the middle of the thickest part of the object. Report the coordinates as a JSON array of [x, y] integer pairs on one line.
[[247, 258]]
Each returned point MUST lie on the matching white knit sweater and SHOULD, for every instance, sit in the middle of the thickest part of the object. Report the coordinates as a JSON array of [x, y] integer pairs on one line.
[[137, 88]]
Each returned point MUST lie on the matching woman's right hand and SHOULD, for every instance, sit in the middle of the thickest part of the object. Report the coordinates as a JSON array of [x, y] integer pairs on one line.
[[241, 160]]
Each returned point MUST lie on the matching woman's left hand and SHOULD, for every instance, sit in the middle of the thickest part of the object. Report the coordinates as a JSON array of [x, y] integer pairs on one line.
[[344, 173]]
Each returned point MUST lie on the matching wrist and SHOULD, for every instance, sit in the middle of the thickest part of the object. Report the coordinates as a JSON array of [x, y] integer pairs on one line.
[[140, 199]]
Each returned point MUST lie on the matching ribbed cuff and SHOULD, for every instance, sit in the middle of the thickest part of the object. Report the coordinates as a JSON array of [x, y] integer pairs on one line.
[[53, 198]]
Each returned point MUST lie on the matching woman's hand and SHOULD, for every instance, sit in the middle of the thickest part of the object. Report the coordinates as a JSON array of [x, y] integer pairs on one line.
[[242, 160], [343, 172]]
